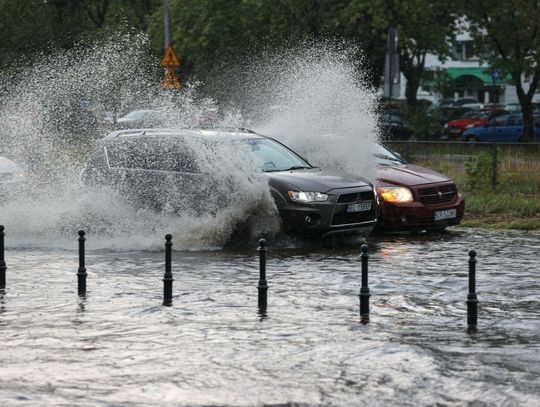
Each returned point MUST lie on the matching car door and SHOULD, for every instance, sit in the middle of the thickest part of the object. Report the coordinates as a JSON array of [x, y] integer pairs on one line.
[[512, 130], [497, 129]]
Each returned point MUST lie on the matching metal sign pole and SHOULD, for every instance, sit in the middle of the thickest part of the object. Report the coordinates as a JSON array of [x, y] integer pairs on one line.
[[166, 22]]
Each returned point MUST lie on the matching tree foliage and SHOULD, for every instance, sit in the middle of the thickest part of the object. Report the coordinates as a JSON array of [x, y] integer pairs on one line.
[[423, 26], [507, 34]]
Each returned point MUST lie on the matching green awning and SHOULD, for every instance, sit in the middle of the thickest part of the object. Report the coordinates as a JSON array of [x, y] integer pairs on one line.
[[484, 74]]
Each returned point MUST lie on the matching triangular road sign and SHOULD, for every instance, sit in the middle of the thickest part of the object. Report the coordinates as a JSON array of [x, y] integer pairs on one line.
[[170, 58], [170, 81]]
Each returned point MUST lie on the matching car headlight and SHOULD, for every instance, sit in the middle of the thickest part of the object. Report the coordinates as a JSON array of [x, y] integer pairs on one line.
[[301, 196], [445, 125], [18, 174], [395, 194]]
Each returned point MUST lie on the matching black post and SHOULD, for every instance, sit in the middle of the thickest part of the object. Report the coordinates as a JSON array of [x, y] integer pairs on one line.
[[81, 273], [472, 301], [3, 267], [364, 290], [262, 287], [168, 277], [494, 167]]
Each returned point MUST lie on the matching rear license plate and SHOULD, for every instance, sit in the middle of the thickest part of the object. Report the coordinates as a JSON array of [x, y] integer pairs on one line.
[[455, 131], [359, 207], [448, 214]]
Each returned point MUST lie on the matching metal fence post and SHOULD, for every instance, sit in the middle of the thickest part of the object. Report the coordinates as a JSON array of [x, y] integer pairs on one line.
[[494, 166]]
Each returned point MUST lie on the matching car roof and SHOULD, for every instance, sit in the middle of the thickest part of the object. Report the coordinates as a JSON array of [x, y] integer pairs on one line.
[[229, 132]]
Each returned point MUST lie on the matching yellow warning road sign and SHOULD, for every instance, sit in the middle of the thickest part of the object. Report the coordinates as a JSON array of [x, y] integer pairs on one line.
[[170, 81], [170, 59]]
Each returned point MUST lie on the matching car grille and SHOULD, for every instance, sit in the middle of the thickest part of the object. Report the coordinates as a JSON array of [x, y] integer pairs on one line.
[[342, 217], [437, 195], [356, 197]]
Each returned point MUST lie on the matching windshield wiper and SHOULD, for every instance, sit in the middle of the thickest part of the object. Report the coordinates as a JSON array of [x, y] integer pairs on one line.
[[297, 167], [387, 157]]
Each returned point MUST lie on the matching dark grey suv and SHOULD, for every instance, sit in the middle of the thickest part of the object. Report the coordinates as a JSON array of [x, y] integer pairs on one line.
[[162, 167]]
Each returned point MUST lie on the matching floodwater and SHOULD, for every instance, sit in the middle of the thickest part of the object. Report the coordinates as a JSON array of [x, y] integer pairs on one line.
[[120, 347]]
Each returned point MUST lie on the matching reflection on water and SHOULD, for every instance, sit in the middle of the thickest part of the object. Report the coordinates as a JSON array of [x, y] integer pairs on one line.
[[119, 346]]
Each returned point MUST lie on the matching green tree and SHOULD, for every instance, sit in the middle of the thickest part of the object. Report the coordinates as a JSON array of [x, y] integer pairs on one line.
[[507, 33], [31, 27], [423, 26]]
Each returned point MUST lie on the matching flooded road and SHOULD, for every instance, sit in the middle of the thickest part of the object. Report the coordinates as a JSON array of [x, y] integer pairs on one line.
[[120, 347]]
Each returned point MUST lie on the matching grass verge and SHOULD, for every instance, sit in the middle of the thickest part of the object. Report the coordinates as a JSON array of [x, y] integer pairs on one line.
[[502, 210]]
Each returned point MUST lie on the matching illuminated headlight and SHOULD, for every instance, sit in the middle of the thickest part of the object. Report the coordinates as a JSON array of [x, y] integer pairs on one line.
[[18, 174], [301, 196], [469, 126], [445, 125], [395, 194]]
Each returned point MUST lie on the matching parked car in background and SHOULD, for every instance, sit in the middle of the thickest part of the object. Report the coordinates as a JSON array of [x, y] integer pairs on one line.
[[11, 176], [160, 166], [474, 118], [393, 127], [414, 198], [505, 128], [446, 114]]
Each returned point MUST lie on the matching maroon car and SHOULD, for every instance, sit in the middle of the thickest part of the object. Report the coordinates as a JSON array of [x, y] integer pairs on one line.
[[474, 118], [413, 198]]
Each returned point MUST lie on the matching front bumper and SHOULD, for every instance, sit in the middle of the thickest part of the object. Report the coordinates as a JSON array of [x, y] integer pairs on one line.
[[331, 216], [415, 216]]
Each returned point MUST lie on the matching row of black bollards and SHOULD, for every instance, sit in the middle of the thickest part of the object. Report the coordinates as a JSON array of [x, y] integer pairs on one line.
[[262, 286], [472, 301], [81, 272], [3, 267], [168, 277], [364, 289]]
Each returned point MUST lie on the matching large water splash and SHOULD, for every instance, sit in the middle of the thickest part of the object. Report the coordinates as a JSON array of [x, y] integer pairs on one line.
[[51, 115], [315, 100]]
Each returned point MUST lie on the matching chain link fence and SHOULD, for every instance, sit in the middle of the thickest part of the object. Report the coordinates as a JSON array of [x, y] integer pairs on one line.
[[505, 167]]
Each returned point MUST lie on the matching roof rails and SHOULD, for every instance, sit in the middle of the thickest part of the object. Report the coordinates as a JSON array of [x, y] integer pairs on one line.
[[238, 129]]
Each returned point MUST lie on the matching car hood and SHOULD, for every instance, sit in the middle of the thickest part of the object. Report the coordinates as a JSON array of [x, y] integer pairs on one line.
[[408, 175], [316, 179], [6, 165]]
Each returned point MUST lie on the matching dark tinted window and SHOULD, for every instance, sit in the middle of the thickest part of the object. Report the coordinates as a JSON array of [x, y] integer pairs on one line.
[[515, 121], [497, 121], [151, 154]]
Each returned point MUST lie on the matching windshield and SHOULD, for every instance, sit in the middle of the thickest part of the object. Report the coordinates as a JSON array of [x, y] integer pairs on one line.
[[476, 115], [273, 156], [387, 157]]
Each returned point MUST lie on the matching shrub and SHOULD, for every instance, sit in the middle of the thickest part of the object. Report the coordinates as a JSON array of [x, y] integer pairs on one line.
[[478, 170]]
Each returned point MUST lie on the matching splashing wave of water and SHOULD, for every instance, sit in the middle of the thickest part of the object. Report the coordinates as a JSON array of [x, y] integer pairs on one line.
[[52, 115]]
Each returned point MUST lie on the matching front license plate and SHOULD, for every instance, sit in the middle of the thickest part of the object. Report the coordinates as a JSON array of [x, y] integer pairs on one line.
[[359, 207], [448, 214]]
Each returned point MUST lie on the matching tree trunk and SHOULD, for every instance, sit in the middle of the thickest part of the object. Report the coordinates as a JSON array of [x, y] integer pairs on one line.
[[411, 89], [525, 99]]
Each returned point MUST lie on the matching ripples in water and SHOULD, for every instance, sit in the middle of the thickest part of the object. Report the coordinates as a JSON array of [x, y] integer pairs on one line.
[[119, 346]]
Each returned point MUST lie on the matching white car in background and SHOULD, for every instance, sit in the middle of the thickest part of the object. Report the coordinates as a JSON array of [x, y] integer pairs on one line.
[[11, 176]]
